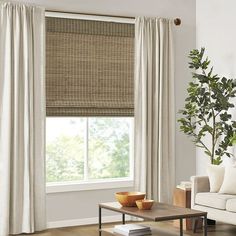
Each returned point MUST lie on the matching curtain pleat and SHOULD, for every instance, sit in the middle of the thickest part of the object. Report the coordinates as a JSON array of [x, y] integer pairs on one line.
[[154, 108], [22, 119]]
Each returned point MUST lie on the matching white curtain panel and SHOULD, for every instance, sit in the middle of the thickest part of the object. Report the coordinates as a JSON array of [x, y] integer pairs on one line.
[[154, 108], [22, 119]]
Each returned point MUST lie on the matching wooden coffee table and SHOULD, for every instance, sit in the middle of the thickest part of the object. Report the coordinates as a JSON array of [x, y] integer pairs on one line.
[[159, 212]]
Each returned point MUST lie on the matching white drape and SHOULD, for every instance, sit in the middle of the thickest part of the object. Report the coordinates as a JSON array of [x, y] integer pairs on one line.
[[22, 119], [154, 108]]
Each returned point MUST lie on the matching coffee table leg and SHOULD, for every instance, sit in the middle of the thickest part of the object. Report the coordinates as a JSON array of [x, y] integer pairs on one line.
[[205, 225], [123, 219], [100, 220], [194, 224], [181, 227]]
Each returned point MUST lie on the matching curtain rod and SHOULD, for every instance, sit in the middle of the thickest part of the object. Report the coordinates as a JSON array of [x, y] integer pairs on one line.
[[121, 19]]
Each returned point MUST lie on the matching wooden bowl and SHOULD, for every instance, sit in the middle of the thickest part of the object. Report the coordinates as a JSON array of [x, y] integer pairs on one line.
[[128, 199], [144, 204]]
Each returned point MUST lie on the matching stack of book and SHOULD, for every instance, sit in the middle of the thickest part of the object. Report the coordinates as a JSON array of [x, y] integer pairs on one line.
[[132, 230], [185, 185]]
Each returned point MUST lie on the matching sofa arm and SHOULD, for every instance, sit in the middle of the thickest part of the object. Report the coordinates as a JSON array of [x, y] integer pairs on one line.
[[199, 184]]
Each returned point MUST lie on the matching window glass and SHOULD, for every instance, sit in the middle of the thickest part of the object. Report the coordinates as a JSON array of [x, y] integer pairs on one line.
[[109, 147], [83, 149], [65, 149]]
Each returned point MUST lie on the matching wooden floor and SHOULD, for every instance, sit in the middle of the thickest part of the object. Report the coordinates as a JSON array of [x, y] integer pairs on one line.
[[164, 229]]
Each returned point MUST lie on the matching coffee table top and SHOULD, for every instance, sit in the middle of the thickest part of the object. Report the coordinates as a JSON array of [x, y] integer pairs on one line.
[[159, 211]]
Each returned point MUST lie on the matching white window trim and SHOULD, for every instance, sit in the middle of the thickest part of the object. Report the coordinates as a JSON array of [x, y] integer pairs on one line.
[[89, 17], [89, 185]]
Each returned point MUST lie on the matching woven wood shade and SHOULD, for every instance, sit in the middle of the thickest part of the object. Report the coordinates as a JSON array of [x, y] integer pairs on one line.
[[89, 68]]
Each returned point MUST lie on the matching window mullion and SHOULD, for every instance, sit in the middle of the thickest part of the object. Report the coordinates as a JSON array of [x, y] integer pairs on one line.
[[86, 150]]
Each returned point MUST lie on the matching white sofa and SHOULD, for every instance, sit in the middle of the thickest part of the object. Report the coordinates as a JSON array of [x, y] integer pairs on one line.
[[220, 207]]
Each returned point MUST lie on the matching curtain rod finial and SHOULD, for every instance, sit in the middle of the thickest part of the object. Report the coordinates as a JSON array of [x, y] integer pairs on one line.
[[177, 21]]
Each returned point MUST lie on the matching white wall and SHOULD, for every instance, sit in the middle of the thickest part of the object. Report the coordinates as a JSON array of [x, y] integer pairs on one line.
[[78, 205], [215, 30], [66, 206]]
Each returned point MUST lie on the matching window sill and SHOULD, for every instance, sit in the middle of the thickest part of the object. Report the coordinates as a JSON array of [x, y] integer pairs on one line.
[[89, 185]]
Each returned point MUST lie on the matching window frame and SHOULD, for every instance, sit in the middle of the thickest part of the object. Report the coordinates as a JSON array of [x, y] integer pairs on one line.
[[89, 185], [86, 184]]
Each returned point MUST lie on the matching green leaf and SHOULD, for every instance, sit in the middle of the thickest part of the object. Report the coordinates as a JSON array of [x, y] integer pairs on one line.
[[217, 161], [208, 153], [233, 139]]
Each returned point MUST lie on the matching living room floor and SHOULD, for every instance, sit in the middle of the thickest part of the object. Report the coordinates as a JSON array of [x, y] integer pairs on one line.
[[165, 229]]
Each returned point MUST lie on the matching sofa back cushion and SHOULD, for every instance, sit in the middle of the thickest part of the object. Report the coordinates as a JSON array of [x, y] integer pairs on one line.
[[229, 183], [216, 177]]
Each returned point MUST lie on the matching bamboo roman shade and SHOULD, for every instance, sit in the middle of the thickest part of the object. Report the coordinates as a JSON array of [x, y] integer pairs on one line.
[[89, 68]]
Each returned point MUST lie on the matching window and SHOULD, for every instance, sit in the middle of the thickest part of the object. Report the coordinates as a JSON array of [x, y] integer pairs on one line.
[[89, 102], [85, 149]]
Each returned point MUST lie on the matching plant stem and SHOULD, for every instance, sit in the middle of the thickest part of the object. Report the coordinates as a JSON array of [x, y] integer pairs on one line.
[[203, 145], [213, 137], [213, 124]]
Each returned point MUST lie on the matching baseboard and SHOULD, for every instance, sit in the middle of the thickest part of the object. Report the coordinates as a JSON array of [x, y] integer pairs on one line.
[[85, 221]]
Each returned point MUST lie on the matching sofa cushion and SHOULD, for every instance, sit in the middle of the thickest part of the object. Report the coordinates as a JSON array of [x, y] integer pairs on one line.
[[216, 177], [215, 200], [231, 205], [229, 183]]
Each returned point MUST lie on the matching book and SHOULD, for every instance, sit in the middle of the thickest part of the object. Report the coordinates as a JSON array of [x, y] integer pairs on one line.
[[183, 187], [132, 230], [186, 183], [120, 232], [132, 227]]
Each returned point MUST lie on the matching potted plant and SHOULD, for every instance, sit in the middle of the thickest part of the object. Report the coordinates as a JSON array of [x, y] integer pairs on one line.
[[206, 111]]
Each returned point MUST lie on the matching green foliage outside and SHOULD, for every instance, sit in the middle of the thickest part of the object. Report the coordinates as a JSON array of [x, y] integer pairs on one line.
[[207, 109], [108, 152], [108, 148], [65, 159]]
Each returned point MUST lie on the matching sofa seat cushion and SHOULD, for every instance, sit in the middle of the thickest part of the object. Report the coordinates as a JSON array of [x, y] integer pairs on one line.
[[231, 205], [215, 200]]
